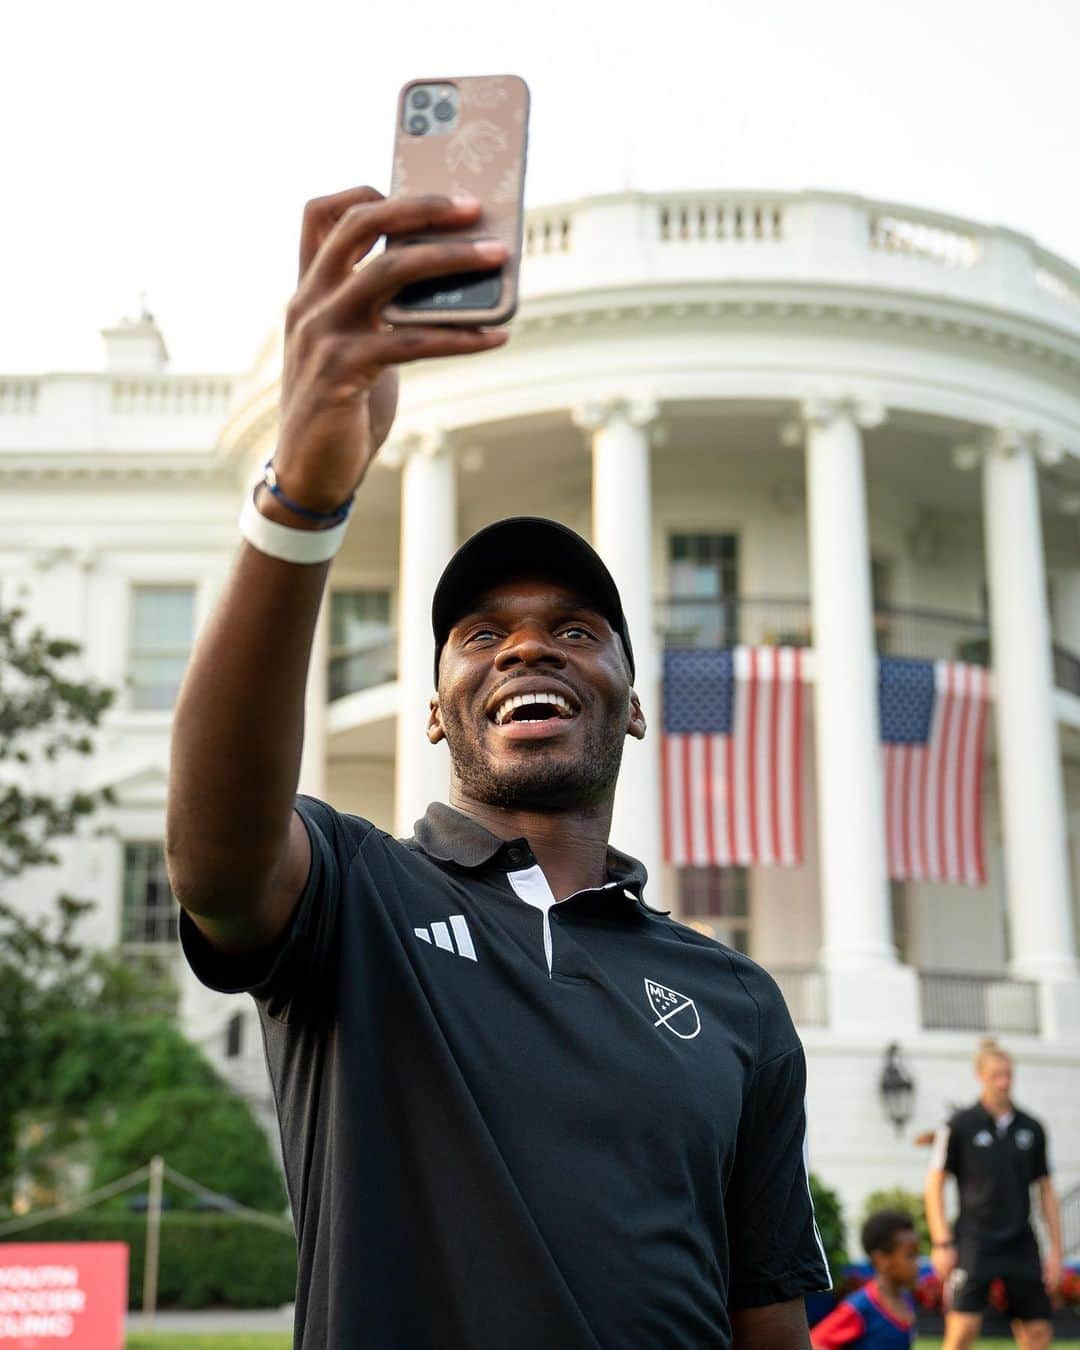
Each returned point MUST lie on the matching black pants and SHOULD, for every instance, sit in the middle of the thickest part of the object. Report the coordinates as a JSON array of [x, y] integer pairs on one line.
[[1025, 1293]]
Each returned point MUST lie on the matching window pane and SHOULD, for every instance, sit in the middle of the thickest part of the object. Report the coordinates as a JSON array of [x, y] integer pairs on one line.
[[358, 617], [715, 892], [162, 630], [149, 913]]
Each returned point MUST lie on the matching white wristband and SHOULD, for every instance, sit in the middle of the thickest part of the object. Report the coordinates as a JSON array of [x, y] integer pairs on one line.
[[284, 542]]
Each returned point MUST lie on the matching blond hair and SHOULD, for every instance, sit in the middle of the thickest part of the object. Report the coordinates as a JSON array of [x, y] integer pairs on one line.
[[988, 1048]]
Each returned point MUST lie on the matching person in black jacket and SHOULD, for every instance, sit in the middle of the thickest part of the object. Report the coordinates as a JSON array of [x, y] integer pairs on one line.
[[996, 1152]]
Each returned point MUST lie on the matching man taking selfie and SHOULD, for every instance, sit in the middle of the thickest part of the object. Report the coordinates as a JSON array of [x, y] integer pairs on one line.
[[521, 1109]]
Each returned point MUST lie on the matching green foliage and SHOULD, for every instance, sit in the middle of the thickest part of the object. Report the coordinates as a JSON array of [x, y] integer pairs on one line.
[[829, 1213], [44, 715], [207, 1260], [202, 1131], [910, 1202]]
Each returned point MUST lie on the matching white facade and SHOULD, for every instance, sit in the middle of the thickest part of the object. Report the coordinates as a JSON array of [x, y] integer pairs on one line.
[[840, 419]]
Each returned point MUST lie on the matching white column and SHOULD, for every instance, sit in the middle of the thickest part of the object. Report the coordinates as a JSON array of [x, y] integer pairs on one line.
[[313, 759], [866, 984], [1032, 797], [622, 535], [428, 538]]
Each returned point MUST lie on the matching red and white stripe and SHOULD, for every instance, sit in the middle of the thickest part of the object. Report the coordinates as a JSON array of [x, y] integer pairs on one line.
[[933, 792], [738, 799]]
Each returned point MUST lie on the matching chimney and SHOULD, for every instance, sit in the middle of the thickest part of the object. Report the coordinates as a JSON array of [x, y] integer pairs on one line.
[[135, 346]]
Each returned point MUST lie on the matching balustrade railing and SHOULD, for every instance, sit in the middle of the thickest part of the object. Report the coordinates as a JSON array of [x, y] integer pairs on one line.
[[925, 634], [356, 668], [966, 1002], [720, 219], [804, 991], [19, 397]]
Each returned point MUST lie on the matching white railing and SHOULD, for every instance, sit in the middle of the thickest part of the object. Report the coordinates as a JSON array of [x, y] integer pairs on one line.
[[920, 239], [1054, 283], [18, 397], [547, 232], [816, 239], [720, 218], [172, 395], [803, 988]]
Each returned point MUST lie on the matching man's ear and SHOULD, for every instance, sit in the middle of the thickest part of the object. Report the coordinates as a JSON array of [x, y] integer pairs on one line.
[[435, 732], [635, 725]]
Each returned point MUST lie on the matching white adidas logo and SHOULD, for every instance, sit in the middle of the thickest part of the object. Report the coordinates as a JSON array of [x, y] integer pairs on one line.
[[440, 935]]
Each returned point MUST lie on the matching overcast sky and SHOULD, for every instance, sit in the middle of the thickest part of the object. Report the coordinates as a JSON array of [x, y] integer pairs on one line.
[[169, 148]]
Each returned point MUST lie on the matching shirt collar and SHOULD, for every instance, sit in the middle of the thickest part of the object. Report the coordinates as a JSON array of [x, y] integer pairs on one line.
[[450, 836]]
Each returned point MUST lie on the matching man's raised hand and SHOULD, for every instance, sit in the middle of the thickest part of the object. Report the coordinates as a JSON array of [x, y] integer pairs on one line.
[[339, 385]]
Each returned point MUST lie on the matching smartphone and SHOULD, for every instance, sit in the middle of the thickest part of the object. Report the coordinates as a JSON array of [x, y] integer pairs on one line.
[[463, 135]]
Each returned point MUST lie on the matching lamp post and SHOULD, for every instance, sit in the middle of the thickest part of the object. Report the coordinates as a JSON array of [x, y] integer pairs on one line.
[[897, 1089]]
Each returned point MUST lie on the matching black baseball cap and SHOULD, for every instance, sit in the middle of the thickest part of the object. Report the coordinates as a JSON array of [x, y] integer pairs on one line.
[[514, 546]]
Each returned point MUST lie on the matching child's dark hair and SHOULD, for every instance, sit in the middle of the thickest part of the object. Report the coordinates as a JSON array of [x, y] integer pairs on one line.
[[883, 1227]]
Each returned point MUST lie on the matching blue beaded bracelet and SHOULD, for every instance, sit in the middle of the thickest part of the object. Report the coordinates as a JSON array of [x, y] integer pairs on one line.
[[269, 480]]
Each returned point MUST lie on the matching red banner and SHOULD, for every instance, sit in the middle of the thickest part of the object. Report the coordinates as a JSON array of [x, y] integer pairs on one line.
[[70, 1294]]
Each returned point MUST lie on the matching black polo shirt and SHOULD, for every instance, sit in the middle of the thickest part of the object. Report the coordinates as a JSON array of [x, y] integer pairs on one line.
[[995, 1168], [512, 1123]]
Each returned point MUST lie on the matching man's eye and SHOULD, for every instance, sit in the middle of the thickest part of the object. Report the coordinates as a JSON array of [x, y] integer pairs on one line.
[[482, 633], [576, 631]]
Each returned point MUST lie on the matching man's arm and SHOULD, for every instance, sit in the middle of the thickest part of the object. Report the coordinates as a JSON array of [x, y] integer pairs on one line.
[[943, 1249], [238, 856], [1051, 1212], [778, 1326]]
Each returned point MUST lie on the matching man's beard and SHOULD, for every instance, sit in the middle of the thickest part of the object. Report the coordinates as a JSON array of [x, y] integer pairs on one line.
[[537, 777]]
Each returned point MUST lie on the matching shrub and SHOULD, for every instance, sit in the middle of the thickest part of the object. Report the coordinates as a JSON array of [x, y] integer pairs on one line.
[[206, 1260], [830, 1221], [204, 1132], [909, 1202]]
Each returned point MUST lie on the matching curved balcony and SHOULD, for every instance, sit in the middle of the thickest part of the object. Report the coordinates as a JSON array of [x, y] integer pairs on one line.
[[927, 634]]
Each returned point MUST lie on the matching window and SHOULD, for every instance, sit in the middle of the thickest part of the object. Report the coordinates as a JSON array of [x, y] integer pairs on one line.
[[362, 648], [716, 900], [703, 576], [162, 629], [234, 1036], [150, 912], [881, 593], [899, 903]]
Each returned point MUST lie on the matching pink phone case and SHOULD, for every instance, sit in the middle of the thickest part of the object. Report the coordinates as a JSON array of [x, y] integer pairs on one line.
[[483, 156]]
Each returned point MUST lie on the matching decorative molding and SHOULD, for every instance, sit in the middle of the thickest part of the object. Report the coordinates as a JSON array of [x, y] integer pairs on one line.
[[882, 311], [640, 410], [208, 468], [825, 410]]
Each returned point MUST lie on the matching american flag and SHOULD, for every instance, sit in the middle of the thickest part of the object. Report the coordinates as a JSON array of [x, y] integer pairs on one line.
[[732, 756], [933, 729]]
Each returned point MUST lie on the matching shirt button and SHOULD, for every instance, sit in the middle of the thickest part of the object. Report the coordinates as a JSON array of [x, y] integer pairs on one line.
[[515, 856]]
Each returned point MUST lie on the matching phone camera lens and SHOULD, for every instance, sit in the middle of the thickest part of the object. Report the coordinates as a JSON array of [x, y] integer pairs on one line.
[[420, 98], [443, 110], [418, 124]]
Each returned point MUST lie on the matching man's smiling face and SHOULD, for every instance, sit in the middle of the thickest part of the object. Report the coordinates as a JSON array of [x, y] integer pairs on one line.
[[534, 699]]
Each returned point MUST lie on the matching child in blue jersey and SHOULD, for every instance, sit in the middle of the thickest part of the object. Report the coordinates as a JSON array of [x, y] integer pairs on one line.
[[881, 1315]]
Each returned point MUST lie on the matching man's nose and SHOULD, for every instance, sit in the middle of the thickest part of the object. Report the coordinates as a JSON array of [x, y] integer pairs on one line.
[[530, 645]]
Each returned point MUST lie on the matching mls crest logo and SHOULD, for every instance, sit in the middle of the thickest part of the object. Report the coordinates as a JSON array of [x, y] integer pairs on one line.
[[1025, 1138], [673, 1010]]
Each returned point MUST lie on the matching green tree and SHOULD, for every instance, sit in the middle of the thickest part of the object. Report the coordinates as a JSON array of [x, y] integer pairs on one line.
[[46, 715], [908, 1202], [204, 1132]]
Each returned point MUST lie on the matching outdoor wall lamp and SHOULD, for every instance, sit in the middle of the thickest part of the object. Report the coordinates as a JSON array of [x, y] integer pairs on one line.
[[897, 1089]]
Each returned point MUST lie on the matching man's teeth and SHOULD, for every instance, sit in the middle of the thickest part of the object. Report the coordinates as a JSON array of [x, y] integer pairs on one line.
[[506, 708]]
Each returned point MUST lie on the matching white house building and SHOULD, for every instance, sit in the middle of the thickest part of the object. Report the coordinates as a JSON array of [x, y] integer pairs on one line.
[[807, 418]]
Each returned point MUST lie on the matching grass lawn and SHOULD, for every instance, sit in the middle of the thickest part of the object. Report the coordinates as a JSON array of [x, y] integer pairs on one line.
[[197, 1340], [231, 1341]]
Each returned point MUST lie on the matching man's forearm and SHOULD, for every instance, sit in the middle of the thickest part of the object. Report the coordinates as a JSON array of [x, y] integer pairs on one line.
[[238, 732], [1052, 1217], [934, 1198]]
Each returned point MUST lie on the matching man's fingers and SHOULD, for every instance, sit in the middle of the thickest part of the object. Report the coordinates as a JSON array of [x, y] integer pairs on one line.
[[321, 214], [365, 294], [397, 346], [359, 228]]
